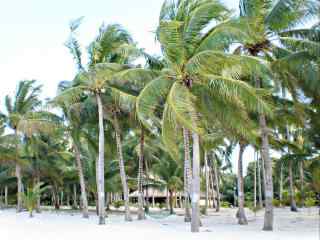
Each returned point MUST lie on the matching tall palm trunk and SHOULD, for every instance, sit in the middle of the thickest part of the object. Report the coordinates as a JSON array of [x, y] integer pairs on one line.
[[242, 219], [255, 185], [18, 176], [122, 170], [85, 212], [187, 175], [6, 196], [195, 217], [19, 187], [38, 204], [100, 173], [141, 214], [259, 180], [265, 154], [281, 184], [75, 204], [293, 205], [207, 182], [216, 177], [211, 177], [301, 183], [171, 201]]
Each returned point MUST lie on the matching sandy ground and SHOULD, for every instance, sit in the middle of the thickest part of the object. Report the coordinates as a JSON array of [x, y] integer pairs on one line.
[[67, 225]]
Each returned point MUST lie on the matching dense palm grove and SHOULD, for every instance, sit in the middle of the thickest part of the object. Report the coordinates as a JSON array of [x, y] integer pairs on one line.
[[224, 82]]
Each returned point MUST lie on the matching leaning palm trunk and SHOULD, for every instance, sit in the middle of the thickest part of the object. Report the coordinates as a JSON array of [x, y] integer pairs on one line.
[[265, 149], [293, 205], [122, 171], [85, 212], [187, 177], [207, 182], [141, 214], [100, 166], [242, 219], [195, 217], [301, 183]]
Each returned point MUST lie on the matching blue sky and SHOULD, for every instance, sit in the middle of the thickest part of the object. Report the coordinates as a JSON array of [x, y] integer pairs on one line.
[[33, 33]]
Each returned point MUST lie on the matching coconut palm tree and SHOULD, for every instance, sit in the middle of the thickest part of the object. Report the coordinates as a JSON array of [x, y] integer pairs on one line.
[[19, 109], [189, 62], [256, 32], [112, 45]]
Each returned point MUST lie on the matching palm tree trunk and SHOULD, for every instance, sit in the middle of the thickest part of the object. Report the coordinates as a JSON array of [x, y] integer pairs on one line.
[[171, 201], [141, 214], [6, 196], [147, 187], [293, 205], [259, 181], [255, 185], [302, 183], [167, 199], [265, 154], [74, 205], [122, 171], [216, 177], [187, 175], [195, 217], [85, 212], [242, 219], [281, 184], [39, 196], [100, 173], [19, 187], [211, 180], [207, 182]]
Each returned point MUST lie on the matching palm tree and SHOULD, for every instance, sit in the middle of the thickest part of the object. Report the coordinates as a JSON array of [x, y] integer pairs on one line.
[[257, 30], [112, 45], [188, 69], [19, 110]]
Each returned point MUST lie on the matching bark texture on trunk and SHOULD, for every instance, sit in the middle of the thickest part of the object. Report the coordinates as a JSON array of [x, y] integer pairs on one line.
[[100, 173], [195, 217], [242, 219], [171, 201], [293, 205], [19, 187], [216, 177], [255, 185], [187, 175], [281, 184], [85, 212], [259, 181], [123, 175], [6, 196], [301, 183], [39, 196], [141, 214], [75, 204], [265, 154], [207, 182]]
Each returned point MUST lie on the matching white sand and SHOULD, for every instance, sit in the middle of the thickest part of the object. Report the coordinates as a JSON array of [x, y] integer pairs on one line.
[[218, 226]]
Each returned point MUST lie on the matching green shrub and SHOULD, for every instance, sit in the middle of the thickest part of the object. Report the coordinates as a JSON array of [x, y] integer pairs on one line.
[[162, 205], [276, 202], [118, 204], [225, 204], [310, 202]]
